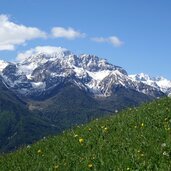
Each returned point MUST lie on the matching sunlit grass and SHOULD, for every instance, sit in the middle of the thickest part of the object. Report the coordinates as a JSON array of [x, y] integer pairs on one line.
[[135, 139]]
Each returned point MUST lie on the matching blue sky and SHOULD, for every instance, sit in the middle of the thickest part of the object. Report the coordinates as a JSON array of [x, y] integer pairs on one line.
[[133, 34]]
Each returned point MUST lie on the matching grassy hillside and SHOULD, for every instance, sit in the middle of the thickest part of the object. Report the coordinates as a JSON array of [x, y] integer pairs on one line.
[[136, 139]]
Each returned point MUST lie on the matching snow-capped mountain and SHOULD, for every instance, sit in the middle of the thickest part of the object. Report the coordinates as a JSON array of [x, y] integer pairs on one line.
[[159, 83], [42, 71], [3, 64]]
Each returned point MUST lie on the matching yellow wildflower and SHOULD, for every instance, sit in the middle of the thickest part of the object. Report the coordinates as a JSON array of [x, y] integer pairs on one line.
[[93, 157], [56, 167], [142, 125], [105, 129], [81, 140], [90, 165], [75, 135], [39, 151]]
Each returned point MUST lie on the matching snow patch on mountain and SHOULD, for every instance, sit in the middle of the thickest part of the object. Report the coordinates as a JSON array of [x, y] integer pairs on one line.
[[3, 64], [99, 75], [39, 85], [159, 83]]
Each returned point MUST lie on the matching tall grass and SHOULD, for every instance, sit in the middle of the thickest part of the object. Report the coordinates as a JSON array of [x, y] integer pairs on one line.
[[135, 139]]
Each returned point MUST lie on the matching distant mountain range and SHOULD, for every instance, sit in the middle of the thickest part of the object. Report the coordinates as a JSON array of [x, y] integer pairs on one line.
[[41, 72], [57, 89], [160, 83]]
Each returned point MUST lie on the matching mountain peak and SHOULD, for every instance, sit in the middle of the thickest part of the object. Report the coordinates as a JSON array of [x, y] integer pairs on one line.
[[43, 52], [160, 83], [3, 64], [141, 77]]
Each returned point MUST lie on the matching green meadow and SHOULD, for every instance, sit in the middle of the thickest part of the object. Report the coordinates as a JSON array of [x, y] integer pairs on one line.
[[136, 139]]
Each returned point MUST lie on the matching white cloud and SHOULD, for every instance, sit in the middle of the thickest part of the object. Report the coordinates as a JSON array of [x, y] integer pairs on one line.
[[115, 41], [12, 34], [68, 33], [40, 49]]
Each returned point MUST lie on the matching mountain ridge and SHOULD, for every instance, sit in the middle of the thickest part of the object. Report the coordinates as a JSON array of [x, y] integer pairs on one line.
[[160, 83], [44, 70]]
